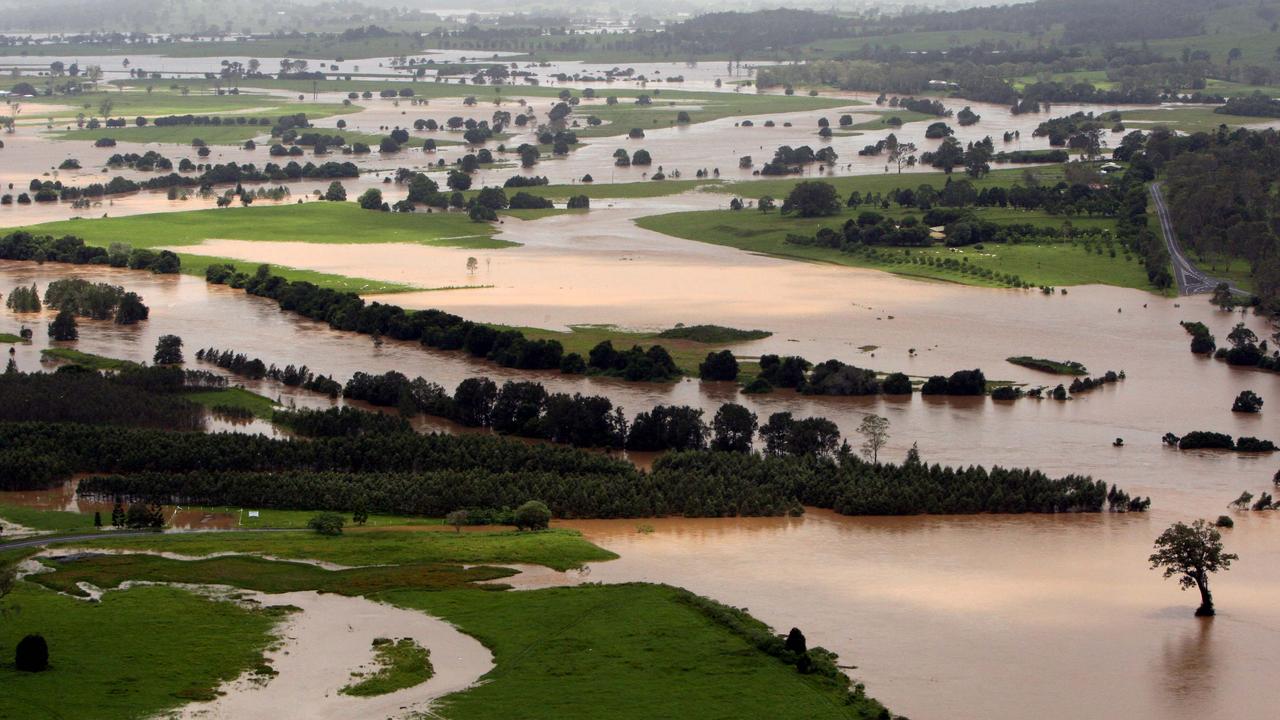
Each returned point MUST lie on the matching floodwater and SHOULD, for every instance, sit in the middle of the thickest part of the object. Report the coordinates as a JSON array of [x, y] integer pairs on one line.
[[329, 639], [945, 617]]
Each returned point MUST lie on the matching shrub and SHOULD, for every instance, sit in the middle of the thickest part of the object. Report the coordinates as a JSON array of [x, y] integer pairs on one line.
[[533, 515], [327, 523], [32, 654]]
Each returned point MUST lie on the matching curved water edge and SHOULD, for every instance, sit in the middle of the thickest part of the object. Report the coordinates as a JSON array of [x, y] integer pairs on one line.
[[321, 646], [317, 649]]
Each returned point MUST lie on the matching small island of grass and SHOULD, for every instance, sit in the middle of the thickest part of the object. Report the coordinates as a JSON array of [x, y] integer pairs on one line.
[[712, 334], [1065, 367]]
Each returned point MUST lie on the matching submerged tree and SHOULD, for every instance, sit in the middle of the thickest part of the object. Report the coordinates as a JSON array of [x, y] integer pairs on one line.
[[168, 350], [1192, 553], [875, 434], [64, 327]]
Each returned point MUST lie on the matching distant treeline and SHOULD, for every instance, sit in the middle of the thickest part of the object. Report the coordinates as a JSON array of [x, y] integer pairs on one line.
[[435, 474], [53, 190]]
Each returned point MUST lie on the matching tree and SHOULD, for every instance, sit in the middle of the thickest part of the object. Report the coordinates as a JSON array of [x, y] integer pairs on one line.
[[335, 193], [32, 654], [1192, 553], [765, 204], [457, 519], [948, 156], [117, 513], [64, 327], [796, 643], [1247, 402], [900, 153], [719, 366], [168, 350], [733, 428], [812, 198], [533, 515], [458, 181], [875, 434], [327, 523], [371, 199], [360, 511]]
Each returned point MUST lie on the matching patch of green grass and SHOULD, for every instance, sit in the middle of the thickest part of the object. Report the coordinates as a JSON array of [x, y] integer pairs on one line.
[[1050, 366], [605, 190], [625, 652], [36, 519], [687, 353], [556, 549], [1039, 264], [778, 188], [619, 119], [254, 573], [89, 360], [297, 519], [235, 397], [712, 334], [401, 664], [9, 339], [312, 222], [1185, 119], [315, 222], [137, 653]]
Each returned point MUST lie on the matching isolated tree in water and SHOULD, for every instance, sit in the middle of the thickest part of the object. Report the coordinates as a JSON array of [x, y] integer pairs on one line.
[[1192, 553], [63, 326], [168, 350], [875, 435]]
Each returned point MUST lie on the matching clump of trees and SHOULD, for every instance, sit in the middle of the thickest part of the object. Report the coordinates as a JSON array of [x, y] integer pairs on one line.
[[98, 301]]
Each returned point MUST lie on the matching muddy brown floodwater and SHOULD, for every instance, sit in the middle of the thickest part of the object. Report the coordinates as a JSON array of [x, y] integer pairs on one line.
[[945, 617]]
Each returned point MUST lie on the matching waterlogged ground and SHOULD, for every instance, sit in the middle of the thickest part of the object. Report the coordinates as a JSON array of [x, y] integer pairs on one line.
[[329, 638], [957, 618]]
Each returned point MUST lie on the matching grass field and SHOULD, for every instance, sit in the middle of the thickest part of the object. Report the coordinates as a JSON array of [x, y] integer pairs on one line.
[[1038, 264], [687, 353], [778, 188], [630, 652], [936, 40], [316, 222], [89, 360], [1186, 119], [261, 407], [55, 520], [702, 107], [253, 573], [400, 664], [557, 549], [134, 654], [297, 519], [10, 339]]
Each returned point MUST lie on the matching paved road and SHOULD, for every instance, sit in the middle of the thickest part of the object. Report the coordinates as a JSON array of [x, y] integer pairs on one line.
[[1189, 278]]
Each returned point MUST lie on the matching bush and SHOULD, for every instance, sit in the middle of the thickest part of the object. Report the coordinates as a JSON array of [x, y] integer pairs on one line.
[[327, 523], [1225, 521], [533, 515], [32, 654]]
